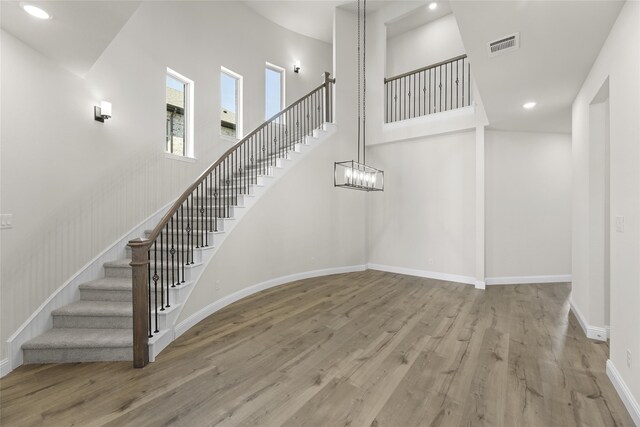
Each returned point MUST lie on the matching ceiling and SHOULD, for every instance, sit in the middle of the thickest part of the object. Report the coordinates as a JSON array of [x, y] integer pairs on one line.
[[310, 18], [559, 42], [314, 18], [418, 17], [78, 33]]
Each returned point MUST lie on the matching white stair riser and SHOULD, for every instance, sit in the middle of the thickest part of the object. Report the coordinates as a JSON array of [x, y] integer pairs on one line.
[[126, 272], [212, 201], [70, 355], [180, 254]]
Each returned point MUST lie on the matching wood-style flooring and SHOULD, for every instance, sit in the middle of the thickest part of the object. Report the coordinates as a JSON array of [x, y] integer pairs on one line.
[[359, 349]]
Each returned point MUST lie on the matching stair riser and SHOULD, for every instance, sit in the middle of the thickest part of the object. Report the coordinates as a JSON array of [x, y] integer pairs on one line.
[[181, 255], [71, 355], [208, 218], [126, 272], [105, 295], [220, 201], [175, 294], [220, 227], [93, 322], [121, 272]]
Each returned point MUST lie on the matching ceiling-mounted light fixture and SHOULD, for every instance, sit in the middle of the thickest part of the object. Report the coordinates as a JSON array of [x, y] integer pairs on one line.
[[35, 11], [529, 105], [102, 112], [296, 67], [354, 174], [433, 5]]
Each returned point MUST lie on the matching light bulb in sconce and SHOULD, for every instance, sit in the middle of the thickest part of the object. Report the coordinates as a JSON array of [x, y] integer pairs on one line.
[[296, 66], [102, 112]]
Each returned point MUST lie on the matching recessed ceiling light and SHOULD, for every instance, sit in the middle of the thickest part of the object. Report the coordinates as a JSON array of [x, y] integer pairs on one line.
[[35, 11], [433, 5], [529, 105]]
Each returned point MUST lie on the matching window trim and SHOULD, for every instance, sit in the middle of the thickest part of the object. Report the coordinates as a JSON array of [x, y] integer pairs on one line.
[[188, 113], [283, 99], [239, 103]]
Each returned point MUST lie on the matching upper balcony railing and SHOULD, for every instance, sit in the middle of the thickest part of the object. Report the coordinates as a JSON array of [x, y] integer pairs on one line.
[[432, 89]]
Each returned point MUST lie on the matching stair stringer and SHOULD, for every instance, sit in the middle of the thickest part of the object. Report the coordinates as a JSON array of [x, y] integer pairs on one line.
[[165, 337]]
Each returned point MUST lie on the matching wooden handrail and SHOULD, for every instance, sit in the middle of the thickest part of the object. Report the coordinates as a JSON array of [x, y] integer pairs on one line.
[[428, 67], [183, 197]]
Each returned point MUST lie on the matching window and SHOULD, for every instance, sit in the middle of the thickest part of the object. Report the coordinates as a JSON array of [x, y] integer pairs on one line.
[[274, 90], [179, 99], [230, 103]]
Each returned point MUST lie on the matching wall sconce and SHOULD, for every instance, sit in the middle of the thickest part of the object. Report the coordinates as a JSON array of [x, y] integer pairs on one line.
[[296, 67], [102, 112]]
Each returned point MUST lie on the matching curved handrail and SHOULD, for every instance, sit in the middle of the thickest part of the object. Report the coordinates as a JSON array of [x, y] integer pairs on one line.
[[159, 262], [179, 202]]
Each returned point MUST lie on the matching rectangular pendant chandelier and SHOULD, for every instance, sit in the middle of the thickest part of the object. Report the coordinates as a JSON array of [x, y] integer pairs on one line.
[[357, 176]]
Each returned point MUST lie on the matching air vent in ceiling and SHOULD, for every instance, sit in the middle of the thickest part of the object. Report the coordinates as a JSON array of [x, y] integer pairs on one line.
[[503, 45]]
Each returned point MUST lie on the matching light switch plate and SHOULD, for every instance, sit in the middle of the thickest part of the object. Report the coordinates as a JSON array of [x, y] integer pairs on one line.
[[6, 221]]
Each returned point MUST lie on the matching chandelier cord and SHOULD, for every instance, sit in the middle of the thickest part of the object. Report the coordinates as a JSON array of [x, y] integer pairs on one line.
[[359, 117], [364, 83]]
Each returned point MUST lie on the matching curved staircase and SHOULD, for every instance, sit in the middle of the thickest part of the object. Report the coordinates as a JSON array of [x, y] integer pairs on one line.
[[101, 325]]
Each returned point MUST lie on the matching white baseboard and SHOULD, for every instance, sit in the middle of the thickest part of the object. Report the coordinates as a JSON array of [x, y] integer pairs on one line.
[[210, 309], [520, 280], [467, 280], [4, 367], [623, 391], [480, 284], [592, 332]]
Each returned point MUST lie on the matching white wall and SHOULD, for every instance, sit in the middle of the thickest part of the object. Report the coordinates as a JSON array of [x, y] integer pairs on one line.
[[436, 41], [598, 214], [424, 219], [528, 204], [302, 223], [619, 61], [75, 185]]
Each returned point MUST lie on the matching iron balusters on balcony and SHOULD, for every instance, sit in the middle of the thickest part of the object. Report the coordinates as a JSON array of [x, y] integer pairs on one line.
[[161, 261], [432, 89]]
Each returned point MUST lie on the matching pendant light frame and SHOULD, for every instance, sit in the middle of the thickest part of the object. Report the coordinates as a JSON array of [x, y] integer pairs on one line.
[[354, 174]]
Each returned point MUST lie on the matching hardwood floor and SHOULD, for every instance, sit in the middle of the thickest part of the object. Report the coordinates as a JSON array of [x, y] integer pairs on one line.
[[359, 349]]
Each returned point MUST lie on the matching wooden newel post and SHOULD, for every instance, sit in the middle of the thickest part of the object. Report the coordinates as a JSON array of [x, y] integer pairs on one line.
[[327, 97], [140, 298]]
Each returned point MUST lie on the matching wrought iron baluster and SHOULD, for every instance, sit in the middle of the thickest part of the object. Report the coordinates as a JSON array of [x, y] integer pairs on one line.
[[469, 84], [161, 272], [190, 230], [168, 269], [149, 280], [413, 77], [463, 104], [155, 282], [174, 262]]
